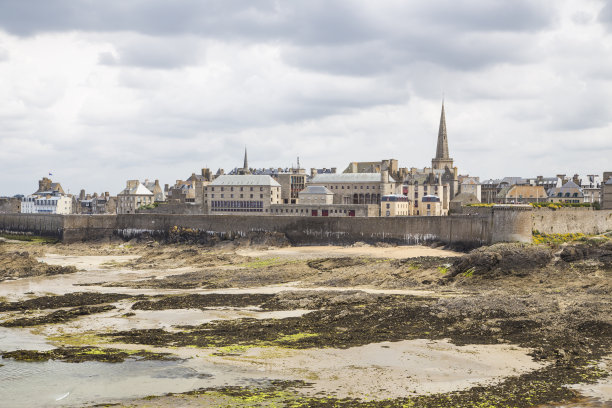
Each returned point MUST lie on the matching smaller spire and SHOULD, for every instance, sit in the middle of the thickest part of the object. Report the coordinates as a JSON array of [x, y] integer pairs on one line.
[[246, 161]]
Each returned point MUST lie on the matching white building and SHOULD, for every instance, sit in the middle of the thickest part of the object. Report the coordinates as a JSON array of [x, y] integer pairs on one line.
[[49, 204]]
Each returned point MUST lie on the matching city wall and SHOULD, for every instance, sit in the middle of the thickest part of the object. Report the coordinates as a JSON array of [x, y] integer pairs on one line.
[[461, 231], [572, 220], [480, 226]]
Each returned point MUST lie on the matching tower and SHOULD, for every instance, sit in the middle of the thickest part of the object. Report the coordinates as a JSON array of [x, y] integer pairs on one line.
[[442, 159], [245, 166]]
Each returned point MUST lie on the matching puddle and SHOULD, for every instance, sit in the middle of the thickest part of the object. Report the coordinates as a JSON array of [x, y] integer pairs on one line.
[[87, 263], [390, 369], [21, 339], [59, 384], [56, 383]]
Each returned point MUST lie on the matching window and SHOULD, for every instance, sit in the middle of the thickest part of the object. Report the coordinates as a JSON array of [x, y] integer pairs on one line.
[[251, 190], [221, 195], [261, 196]]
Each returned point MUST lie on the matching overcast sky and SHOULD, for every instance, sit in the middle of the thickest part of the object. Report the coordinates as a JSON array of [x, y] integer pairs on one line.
[[98, 92]]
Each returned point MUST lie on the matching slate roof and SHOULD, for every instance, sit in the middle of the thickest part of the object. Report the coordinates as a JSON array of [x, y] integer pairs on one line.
[[465, 198], [349, 178], [316, 190], [245, 180], [138, 190]]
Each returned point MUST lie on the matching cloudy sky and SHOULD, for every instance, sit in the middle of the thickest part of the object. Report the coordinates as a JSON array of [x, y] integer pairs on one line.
[[98, 92]]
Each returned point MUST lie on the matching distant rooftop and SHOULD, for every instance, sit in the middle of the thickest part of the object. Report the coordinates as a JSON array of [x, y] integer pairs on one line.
[[349, 178], [316, 190], [245, 180]]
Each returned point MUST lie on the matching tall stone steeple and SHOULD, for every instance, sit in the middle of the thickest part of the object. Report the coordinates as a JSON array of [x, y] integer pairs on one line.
[[442, 159], [245, 166]]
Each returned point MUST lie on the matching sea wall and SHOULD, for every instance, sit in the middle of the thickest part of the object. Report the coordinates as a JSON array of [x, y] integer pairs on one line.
[[571, 220], [45, 225], [460, 231]]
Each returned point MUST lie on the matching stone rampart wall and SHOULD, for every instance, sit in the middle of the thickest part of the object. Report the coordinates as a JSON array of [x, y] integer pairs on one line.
[[571, 220], [50, 225], [462, 231]]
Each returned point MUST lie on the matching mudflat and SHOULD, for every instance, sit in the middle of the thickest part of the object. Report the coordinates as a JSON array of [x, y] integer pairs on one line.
[[511, 325]]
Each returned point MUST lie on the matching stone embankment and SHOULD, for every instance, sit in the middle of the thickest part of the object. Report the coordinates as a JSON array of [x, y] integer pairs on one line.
[[477, 227]]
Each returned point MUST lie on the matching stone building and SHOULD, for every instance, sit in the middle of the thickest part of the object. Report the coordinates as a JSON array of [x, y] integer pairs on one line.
[[461, 200], [96, 204], [155, 188], [606, 191], [10, 205], [246, 194], [316, 195], [396, 205], [569, 192], [133, 196], [591, 188], [419, 185], [521, 194], [357, 188], [470, 185], [325, 210], [431, 206], [47, 186], [390, 165]]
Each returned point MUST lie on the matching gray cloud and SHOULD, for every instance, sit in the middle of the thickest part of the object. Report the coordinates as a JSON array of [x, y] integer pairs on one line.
[[306, 21], [159, 89], [153, 52], [605, 15]]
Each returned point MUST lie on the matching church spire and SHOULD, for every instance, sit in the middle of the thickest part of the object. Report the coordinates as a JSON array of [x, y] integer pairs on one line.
[[442, 159], [246, 161], [442, 150]]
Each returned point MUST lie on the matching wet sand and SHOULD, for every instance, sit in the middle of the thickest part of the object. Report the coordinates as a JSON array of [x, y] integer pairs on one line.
[[389, 369], [372, 371], [312, 252]]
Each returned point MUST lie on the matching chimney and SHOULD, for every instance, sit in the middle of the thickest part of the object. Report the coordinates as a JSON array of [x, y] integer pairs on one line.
[[156, 183], [82, 194], [384, 176], [166, 187], [106, 194], [313, 172], [333, 170]]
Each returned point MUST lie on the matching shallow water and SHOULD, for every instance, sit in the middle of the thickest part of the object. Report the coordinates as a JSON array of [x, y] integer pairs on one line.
[[59, 384]]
